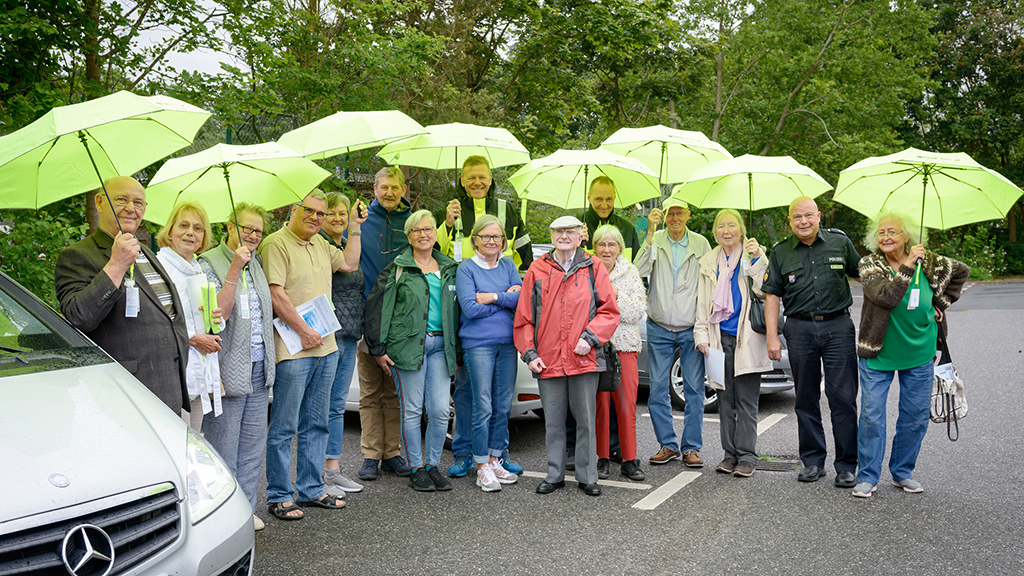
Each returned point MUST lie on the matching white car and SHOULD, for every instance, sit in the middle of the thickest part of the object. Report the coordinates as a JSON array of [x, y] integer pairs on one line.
[[99, 477]]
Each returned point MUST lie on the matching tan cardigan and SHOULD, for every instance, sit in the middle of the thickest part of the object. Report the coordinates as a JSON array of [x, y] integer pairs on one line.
[[751, 348]]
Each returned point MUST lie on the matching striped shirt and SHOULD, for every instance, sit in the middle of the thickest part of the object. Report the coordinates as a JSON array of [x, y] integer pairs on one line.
[[156, 282]]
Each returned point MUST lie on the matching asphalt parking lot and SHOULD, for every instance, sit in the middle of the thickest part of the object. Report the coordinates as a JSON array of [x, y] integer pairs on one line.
[[686, 521]]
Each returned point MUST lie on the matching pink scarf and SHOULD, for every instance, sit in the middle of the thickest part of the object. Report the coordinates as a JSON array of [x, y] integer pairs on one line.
[[721, 302]]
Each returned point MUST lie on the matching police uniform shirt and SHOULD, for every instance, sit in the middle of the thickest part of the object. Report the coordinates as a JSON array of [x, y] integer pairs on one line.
[[811, 280]]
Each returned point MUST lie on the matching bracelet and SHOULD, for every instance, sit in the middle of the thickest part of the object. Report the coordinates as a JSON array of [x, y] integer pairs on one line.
[[230, 282], [355, 233]]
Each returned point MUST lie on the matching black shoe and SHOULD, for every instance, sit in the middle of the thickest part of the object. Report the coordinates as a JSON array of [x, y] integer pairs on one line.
[[616, 456], [845, 479], [810, 474], [570, 462], [602, 468], [631, 469], [546, 487], [420, 481], [440, 482], [591, 489]]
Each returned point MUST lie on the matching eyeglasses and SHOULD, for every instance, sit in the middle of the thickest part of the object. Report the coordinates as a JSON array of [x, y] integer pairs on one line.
[[250, 231], [421, 231], [889, 233], [121, 202], [311, 212], [497, 238], [565, 232]]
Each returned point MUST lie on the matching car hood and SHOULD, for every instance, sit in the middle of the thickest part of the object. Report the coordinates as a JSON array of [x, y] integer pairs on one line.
[[97, 426]]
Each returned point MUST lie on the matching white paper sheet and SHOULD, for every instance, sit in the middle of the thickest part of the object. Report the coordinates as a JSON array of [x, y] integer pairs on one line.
[[318, 314], [714, 366]]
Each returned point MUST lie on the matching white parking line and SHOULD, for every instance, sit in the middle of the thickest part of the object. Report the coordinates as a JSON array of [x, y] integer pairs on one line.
[[666, 490], [768, 422], [612, 483]]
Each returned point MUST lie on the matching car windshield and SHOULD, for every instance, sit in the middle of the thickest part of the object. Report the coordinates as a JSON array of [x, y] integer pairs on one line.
[[29, 342]]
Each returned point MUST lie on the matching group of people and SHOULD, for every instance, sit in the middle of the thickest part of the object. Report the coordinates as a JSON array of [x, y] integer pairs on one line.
[[427, 299]]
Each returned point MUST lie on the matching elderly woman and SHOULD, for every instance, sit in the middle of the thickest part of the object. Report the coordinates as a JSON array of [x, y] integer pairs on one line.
[[566, 311], [347, 297], [631, 297], [247, 363], [411, 328], [186, 234], [488, 289], [727, 275], [899, 323]]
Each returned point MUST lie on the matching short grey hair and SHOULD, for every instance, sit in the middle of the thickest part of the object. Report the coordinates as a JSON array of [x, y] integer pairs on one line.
[[417, 217], [485, 221], [609, 230], [391, 172], [318, 194], [909, 226]]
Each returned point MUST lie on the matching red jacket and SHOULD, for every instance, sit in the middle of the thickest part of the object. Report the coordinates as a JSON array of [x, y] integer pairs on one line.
[[554, 312]]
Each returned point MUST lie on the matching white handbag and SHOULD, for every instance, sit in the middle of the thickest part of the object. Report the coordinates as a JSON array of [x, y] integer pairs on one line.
[[949, 397]]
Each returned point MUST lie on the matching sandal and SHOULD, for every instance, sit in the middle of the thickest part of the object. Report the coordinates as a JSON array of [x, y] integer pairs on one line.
[[325, 501], [280, 511]]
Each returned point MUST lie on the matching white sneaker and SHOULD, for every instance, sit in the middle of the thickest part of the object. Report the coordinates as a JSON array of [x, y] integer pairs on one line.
[[486, 481], [343, 482], [257, 524], [503, 476]]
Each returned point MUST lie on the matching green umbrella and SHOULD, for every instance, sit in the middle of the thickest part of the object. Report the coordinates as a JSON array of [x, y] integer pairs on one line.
[[563, 178], [446, 146], [345, 132], [269, 175], [941, 190], [750, 183], [73, 149], [672, 154]]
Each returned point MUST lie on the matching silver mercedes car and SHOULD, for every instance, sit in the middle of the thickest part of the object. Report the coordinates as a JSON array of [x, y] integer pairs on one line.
[[98, 476]]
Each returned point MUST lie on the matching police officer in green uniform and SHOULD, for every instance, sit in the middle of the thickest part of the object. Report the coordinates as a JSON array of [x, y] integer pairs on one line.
[[475, 197], [808, 271], [602, 201]]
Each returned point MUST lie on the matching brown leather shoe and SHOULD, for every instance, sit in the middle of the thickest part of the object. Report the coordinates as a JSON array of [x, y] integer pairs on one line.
[[744, 469], [726, 466], [692, 459], [664, 456]]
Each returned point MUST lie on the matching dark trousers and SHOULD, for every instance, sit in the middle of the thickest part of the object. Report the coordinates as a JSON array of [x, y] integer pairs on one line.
[[832, 344]]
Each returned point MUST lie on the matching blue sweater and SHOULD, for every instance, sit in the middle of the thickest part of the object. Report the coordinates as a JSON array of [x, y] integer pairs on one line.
[[487, 324]]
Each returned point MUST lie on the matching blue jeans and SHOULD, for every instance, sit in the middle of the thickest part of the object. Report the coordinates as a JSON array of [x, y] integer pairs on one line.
[[492, 375], [911, 424], [462, 432], [427, 388], [302, 395], [661, 348], [339, 394], [240, 432]]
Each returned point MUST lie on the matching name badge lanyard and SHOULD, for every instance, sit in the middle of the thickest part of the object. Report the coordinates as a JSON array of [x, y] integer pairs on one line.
[[915, 293], [131, 292], [244, 300]]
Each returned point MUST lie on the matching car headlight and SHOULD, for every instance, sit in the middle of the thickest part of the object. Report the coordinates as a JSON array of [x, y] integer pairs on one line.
[[210, 483]]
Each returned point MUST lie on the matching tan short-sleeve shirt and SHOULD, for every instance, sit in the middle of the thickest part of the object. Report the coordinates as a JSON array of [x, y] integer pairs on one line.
[[303, 268]]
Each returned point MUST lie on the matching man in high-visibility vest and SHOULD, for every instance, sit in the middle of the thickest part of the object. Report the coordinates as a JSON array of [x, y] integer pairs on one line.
[[475, 197], [602, 203]]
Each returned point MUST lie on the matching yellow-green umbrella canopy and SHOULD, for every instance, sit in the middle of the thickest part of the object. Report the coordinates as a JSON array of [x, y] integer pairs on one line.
[[750, 183], [344, 132], [446, 146], [563, 178], [672, 154], [73, 149]]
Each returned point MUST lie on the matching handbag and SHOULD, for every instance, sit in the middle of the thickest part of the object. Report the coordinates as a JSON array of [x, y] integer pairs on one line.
[[949, 397], [757, 323], [608, 381]]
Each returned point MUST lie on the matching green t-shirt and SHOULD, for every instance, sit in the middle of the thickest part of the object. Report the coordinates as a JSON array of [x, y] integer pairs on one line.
[[434, 309], [910, 336]]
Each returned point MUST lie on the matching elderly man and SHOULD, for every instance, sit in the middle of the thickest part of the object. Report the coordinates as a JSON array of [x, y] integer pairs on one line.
[[600, 212], [298, 264], [379, 409], [114, 290], [670, 258], [808, 271], [475, 197]]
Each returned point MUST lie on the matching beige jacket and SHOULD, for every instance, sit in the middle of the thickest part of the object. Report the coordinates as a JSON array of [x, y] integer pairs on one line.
[[671, 302], [751, 347]]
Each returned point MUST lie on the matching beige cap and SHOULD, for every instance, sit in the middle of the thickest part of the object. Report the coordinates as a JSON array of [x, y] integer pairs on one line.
[[672, 202], [565, 222]]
